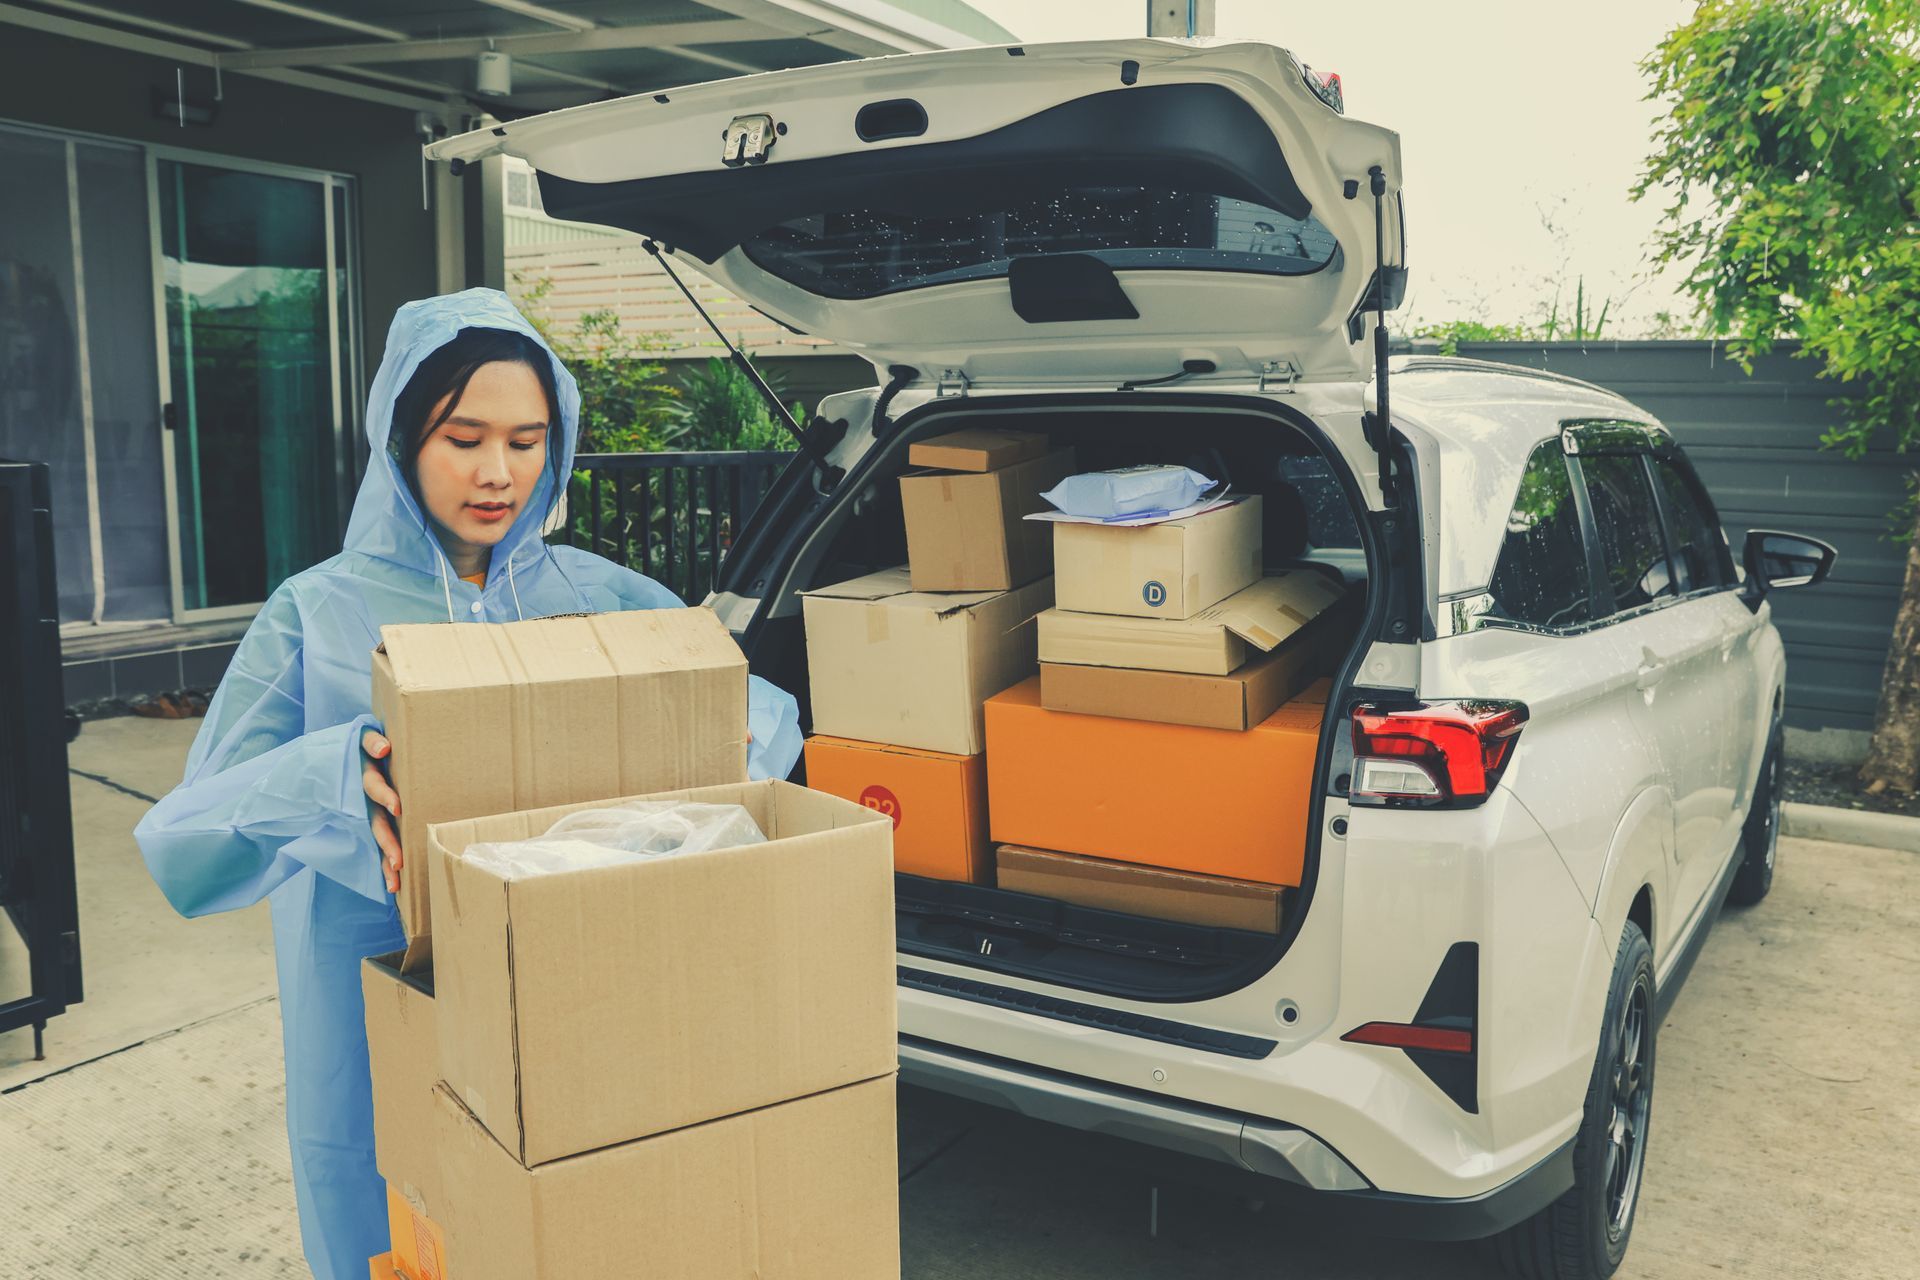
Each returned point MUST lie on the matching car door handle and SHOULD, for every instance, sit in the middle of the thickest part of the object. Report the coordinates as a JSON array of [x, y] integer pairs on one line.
[[1652, 667]]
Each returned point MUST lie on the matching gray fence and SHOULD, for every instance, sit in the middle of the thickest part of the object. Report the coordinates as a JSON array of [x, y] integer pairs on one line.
[[1756, 441]]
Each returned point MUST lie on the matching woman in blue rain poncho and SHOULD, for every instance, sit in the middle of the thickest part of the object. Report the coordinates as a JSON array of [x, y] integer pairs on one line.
[[472, 422]]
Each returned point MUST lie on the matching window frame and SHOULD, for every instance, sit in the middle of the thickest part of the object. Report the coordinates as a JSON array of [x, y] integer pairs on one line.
[[1600, 437], [1675, 456], [1582, 526]]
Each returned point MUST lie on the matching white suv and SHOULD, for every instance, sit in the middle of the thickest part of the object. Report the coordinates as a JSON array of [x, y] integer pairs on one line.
[[1551, 752]]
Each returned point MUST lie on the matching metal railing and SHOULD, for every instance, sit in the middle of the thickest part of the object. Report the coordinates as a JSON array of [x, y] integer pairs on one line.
[[671, 516]]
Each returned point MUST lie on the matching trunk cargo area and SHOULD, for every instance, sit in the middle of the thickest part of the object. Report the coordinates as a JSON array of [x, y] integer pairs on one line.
[[1159, 925]]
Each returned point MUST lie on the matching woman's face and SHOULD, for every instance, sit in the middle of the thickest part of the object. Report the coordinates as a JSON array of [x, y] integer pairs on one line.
[[477, 470]]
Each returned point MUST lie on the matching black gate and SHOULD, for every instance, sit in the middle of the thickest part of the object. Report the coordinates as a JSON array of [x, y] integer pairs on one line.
[[671, 516], [36, 822]]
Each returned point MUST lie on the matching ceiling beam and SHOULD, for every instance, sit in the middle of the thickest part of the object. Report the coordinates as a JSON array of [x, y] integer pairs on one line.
[[320, 17], [726, 31], [193, 55], [540, 13]]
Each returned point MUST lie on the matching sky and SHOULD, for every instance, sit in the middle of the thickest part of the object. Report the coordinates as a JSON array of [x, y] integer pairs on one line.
[[1522, 126]]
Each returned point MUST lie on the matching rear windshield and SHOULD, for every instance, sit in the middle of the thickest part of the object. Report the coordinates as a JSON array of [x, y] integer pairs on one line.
[[862, 253]]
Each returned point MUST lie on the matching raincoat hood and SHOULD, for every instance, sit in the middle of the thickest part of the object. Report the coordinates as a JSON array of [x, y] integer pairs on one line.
[[387, 521]]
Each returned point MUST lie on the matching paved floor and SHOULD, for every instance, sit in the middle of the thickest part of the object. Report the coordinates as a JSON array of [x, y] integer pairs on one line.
[[1786, 1134]]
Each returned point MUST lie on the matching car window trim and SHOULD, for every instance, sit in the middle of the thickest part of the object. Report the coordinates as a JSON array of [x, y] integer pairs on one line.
[[1677, 458], [1664, 519]]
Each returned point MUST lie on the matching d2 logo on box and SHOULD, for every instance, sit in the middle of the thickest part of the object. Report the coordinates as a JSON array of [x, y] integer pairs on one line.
[[878, 798]]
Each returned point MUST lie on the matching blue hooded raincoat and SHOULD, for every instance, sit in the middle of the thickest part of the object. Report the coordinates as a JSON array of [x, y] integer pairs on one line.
[[272, 805]]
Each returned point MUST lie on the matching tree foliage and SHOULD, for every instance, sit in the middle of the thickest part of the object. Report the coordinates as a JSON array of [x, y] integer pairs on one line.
[[720, 408], [626, 403], [1788, 154]]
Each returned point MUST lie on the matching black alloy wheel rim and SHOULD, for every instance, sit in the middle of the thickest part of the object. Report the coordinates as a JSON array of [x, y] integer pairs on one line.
[[1629, 1103]]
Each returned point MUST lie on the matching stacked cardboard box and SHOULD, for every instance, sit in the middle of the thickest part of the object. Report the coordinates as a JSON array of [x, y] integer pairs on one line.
[[680, 1066], [901, 662], [1163, 759]]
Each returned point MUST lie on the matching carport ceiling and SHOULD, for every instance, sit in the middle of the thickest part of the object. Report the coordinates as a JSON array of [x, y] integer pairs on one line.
[[564, 52]]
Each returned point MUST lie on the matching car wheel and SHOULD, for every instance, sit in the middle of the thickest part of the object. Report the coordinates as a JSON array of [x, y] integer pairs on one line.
[[1583, 1235], [1760, 838]]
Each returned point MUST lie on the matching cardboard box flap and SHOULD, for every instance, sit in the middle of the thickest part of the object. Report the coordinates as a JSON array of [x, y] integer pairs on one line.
[[977, 449], [433, 655], [895, 586], [1274, 608]]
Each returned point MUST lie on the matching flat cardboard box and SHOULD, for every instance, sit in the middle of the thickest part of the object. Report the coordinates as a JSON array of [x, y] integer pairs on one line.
[[1169, 570], [1238, 700], [487, 718], [587, 1008], [1211, 801], [1142, 891], [911, 669], [977, 449], [966, 529], [804, 1190], [1215, 642], [419, 1245], [403, 1045], [936, 801]]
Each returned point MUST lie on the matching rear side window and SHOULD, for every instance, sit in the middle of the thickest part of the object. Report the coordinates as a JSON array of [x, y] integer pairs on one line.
[[1541, 575], [1631, 545], [1698, 548]]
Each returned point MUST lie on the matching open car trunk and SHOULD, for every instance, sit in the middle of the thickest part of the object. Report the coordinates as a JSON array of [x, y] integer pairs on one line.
[[800, 541]]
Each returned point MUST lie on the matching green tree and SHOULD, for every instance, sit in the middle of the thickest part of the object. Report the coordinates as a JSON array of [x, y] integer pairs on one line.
[[720, 408], [1787, 154], [626, 403]]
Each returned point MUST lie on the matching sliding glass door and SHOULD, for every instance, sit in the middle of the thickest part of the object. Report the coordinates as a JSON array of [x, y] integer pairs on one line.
[[254, 305]]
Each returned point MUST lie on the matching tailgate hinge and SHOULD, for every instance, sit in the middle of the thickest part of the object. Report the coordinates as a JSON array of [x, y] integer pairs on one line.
[[952, 382], [1273, 371]]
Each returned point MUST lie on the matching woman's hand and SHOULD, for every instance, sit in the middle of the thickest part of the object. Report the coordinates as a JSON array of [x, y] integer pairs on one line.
[[385, 805]]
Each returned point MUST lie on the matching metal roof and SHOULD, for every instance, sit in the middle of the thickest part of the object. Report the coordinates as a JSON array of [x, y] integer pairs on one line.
[[563, 52]]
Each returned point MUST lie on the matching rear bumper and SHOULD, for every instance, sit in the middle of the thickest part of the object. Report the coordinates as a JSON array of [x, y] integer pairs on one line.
[[1282, 1161]]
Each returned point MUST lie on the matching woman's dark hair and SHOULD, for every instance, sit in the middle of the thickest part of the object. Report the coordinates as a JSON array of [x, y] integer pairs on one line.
[[445, 374]]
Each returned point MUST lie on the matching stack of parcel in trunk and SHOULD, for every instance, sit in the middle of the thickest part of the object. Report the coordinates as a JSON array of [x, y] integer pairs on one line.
[[901, 662], [1161, 763], [680, 1066]]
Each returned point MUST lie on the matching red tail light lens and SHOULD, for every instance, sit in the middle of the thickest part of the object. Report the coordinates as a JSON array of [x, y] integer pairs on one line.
[[1432, 754], [1405, 1035]]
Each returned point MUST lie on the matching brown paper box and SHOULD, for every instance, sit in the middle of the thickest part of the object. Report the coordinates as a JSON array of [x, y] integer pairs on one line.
[[977, 449], [1238, 700], [965, 530], [1141, 891], [1169, 570], [912, 669], [488, 718], [1214, 642], [403, 1045], [804, 1190], [588, 1008]]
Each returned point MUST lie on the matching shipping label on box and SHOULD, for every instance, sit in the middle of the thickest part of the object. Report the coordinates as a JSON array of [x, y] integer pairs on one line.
[[937, 802], [1155, 892], [1210, 801], [966, 531], [585, 1008], [911, 669], [1216, 641], [1169, 570], [803, 1190], [489, 718], [419, 1245]]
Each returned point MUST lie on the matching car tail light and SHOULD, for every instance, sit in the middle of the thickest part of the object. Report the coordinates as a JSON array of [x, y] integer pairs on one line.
[[1407, 1035], [1326, 87], [1432, 754]]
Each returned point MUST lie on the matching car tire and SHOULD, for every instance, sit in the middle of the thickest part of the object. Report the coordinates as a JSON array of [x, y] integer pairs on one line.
[[1583, 1235], [1760, 837]]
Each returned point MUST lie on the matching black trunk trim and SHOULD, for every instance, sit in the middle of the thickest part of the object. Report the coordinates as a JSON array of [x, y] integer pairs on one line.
[[1183, 1034]]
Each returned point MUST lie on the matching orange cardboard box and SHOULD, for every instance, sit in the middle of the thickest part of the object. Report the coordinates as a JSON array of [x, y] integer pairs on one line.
[[419, 1247], [938, 802], [381, 1268], [1213, 801]]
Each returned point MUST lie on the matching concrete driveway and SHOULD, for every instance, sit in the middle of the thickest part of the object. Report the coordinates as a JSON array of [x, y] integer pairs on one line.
[[1786, 1138]]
